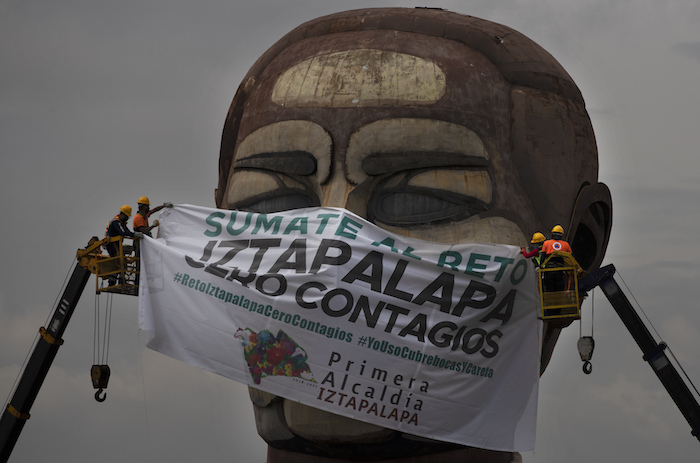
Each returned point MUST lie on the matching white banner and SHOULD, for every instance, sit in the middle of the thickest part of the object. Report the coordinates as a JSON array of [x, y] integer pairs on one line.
[[324, 308]]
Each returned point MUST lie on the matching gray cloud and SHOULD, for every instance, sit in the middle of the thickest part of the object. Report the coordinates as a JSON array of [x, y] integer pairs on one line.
[[688, 49]]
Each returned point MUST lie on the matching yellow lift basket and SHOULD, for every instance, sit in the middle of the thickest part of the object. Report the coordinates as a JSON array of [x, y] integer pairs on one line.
[[558, 284], [118, 274]]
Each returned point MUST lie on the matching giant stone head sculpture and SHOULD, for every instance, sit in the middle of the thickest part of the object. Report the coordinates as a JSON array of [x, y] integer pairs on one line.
[[431, 124]]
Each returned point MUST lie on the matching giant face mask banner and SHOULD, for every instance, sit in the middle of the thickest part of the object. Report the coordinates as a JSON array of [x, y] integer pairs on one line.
[[322, 307]]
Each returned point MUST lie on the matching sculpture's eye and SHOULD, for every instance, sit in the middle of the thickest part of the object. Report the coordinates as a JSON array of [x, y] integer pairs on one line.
[[282, 199], [429, 196], [255, 187]]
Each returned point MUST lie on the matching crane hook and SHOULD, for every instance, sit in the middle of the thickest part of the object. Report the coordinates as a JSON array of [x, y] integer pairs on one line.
[[102, 397], [100, 377], [587, 367], [585, 346]]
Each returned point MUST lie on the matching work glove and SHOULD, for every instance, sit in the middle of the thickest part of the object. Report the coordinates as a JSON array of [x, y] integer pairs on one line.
[[168, 204], [138, 235], [156, 223]]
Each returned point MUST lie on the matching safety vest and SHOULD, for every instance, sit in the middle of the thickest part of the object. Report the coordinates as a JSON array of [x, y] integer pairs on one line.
[[536, 260], [116, 217], [550, 246]]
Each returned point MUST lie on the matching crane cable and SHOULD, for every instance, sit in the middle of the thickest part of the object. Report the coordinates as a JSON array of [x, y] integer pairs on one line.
[[675, 360], [100, 351], [580, 325], [586, 344]]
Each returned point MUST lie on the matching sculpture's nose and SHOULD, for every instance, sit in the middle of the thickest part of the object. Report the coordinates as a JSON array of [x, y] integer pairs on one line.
[[336, 191]]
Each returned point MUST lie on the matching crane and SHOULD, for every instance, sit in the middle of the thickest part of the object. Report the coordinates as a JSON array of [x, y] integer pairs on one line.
[[121, 274], [563, 286], [653, 352]]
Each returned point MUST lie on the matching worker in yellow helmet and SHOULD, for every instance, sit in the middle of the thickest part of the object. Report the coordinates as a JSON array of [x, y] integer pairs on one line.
[[141, 218], [557, 243], [554, 281], [117, 227], [536, 248]]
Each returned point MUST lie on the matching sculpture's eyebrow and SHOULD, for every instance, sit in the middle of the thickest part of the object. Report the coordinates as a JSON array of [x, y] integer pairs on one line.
[[383, 163], [287, 162]]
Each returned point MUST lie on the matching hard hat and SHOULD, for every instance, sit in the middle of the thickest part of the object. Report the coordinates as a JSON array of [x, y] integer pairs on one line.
[[144, 200], [126, 209], [537, 238], [558, 229]]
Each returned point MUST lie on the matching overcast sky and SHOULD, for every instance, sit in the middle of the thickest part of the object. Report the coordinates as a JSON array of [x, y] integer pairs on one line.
[[103, 102]]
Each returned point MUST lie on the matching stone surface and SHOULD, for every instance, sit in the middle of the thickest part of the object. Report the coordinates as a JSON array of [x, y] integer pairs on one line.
[[431, 124]]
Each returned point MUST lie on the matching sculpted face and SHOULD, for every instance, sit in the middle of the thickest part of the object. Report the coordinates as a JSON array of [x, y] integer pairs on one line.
[[424, 135], [393, 136]]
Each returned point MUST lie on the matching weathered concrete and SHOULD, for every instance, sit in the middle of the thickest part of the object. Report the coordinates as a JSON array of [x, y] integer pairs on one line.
[[431, 124]]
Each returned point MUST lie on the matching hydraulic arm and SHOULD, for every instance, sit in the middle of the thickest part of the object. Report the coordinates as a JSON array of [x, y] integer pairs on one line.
[[653, 352], [122, 273], [17, 411]]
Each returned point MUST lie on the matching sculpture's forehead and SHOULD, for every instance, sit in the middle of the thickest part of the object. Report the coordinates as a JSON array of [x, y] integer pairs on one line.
[[367, 76], [344, 81]]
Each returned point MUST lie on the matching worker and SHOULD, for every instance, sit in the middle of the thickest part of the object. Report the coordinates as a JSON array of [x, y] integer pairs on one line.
[[557, 243], [554, 281], [536, 242], [117, 227], [144, 212]]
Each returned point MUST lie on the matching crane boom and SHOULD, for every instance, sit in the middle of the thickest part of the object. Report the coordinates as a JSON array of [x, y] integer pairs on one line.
[[16, 413], [123, 270], [653, 352]]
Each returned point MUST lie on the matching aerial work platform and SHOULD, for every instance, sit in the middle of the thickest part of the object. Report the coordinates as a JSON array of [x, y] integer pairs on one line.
[[558, 285], [118, 274]]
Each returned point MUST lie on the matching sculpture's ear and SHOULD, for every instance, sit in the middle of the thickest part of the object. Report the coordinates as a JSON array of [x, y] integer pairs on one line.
[[589, 229]]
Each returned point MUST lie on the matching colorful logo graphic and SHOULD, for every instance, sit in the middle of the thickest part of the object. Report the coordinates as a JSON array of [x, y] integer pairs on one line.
[[270, 355]]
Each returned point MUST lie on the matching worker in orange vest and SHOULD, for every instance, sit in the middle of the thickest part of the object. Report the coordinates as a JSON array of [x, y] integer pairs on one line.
[[554, 281], [141, 218], [557, 243]]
